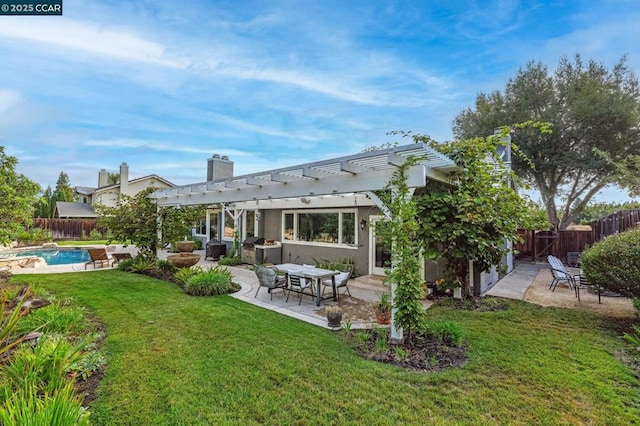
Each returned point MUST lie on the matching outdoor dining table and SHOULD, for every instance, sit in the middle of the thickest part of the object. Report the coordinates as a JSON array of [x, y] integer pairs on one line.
[[313, 273]]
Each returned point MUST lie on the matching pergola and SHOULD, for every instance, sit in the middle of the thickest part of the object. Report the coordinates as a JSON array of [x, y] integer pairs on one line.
[[360, 173], [367, 171]]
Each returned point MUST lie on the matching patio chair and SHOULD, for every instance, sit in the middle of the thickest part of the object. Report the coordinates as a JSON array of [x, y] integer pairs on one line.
[[342, 280], [97, 255], [268, 277], [582, 282], [117, 257], [560, 274], [299, 284]]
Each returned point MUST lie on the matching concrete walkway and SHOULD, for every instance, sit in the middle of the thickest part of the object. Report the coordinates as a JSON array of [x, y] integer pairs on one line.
[[514, 285]]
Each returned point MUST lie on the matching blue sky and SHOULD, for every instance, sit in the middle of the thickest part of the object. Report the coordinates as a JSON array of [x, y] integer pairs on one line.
[[163, 86]]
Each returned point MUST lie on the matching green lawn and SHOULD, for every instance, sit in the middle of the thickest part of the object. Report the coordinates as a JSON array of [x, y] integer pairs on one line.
[[176, 359]]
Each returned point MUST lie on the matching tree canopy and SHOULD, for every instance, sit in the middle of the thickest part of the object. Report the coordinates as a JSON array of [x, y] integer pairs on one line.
[[135, 219], [63, 191], [471, 217], [594, 113], [17, 197]]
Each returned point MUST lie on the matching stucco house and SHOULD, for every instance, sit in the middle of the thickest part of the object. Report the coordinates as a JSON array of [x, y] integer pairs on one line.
[[317, 211], [106, 193]]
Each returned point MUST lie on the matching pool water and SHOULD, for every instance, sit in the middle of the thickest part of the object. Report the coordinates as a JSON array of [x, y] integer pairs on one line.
[[58, 257]]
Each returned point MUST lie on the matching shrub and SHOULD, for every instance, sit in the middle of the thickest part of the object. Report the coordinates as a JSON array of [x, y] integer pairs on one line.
[[55, 318], [95, 235], [34, 235], [338, 265], [42, 368], [209, 283], [614, 263], [165, 266], [9, 324], [141, 264], [88, 363], [58, 409], [230, 261], [125, 265], [448, 332], [183, 274]]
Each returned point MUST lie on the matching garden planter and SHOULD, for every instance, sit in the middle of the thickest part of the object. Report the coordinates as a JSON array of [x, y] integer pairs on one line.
[[334, 321]]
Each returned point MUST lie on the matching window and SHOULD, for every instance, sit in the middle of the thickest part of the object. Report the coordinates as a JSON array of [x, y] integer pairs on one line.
[[213, 225], [320, 226], [201, 227], [251, 223], [228, 225]]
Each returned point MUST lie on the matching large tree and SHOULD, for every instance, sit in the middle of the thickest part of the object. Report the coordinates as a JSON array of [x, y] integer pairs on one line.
[[63, 191], [17, 197], [43, 207], [594, 113]]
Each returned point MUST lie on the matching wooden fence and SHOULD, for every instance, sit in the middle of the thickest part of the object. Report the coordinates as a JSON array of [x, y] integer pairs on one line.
[[616, 222], [539, 245], [67, 229]]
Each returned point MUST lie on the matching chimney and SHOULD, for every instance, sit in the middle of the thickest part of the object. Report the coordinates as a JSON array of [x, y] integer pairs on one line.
[[219, 168], [124, 179], [103, 178]]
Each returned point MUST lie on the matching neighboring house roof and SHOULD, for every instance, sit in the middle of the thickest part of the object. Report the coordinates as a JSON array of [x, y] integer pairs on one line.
[[84, 190], [132, 181], [74, 210]]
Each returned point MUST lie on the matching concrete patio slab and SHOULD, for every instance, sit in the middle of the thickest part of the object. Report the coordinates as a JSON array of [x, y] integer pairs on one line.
[[514, 285]]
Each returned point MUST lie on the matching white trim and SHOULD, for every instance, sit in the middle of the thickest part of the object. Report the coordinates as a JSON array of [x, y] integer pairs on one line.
[[315, 244], [367, 171], [373, 269]]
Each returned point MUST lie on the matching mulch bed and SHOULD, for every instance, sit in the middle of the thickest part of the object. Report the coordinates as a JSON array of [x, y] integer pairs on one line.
[[421, 352]]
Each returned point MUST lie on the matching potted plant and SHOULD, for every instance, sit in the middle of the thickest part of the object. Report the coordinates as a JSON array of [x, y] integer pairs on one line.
[[383, 309], [334, 316]]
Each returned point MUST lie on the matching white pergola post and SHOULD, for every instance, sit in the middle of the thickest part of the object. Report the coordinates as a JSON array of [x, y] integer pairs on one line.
[[158, 231], [396, 332]]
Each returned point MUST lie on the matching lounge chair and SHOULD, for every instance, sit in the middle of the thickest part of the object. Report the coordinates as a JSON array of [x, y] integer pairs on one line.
[[560, 274], [117, 257], [97, 255], [575, 282]]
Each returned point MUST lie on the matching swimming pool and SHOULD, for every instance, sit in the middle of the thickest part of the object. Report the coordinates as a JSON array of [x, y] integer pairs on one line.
[[58, 256]]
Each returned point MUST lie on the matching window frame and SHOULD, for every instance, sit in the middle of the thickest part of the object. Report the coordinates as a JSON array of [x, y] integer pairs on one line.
[[340, 244]]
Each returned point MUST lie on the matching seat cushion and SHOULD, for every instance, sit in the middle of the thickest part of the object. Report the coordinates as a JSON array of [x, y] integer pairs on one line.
[[340, 279]]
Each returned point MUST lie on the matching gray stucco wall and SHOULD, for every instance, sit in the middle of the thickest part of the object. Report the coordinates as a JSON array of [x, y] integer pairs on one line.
[[270, 227]]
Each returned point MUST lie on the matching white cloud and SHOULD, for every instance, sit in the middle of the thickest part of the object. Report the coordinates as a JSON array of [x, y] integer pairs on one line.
[[95, 39], [9, 99], [245, 125], [158, 146]]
